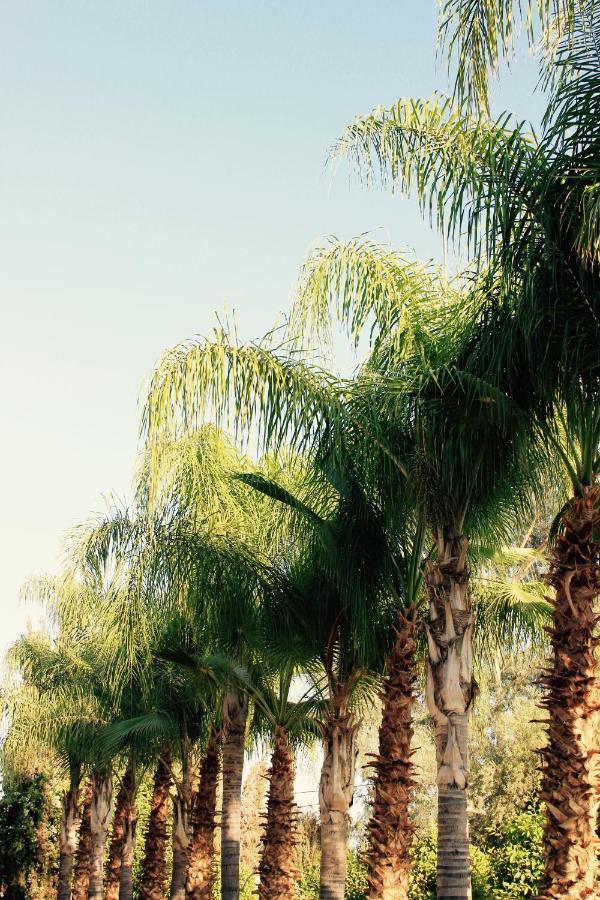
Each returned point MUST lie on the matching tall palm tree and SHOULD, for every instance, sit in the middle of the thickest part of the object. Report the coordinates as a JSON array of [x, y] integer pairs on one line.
[[187, 564], [217, 556], [460, 443], [527, 205], [332, 598], [201, 873], [153, 876], [286, 724], [287, 399], [120, 856]]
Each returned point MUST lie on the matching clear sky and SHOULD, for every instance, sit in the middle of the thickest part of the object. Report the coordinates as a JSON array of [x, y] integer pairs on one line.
[[159, 161]]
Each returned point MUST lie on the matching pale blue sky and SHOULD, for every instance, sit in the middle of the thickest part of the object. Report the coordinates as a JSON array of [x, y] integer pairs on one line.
[[159, 160]]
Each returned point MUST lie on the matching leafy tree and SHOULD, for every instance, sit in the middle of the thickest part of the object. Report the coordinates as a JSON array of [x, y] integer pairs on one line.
[[24, 810]]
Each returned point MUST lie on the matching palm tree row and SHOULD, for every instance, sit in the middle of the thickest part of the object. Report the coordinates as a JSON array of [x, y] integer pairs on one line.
[[227, 585], [363, 539]]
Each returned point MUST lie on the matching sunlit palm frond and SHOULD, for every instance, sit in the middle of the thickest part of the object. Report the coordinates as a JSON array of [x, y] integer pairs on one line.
[[249, 387], [477, 35], [362, 283], [470, 174]]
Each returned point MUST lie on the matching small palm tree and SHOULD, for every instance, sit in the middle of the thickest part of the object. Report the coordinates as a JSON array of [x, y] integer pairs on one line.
[[31, 718], [75, 705]]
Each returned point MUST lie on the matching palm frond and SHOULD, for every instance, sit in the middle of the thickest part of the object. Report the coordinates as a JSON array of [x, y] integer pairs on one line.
[[477, 35], [468, 173], [248, 386]]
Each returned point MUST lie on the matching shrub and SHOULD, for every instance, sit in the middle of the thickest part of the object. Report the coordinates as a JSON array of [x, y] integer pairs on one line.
[[27, 851], [516, 854]]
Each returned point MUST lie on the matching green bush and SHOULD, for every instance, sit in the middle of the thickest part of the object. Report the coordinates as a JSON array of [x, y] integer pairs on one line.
[[27, 851], [356, 880], [516, 855], [422, 880]]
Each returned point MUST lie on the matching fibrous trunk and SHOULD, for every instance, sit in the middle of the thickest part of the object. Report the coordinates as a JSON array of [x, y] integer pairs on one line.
[[201, 873], [570, 760], [153, 881], [123, 814], [389, 831], [450, 690], [336, 793], [235, 709], [278, 872], [69, 821], [100, 815], [126, 877], [82, 861], [181, 835]]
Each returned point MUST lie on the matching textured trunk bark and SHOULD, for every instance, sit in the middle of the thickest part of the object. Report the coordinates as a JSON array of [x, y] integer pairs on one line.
[[68, 840], [82, 860], [125, 799], [235, 711], [277, 870], [178, 878], [570, 760], [202, 873], [126, 877], [336, 793], [181, 841], [100, 815], [450, 691], [153, 881], [389, 831]]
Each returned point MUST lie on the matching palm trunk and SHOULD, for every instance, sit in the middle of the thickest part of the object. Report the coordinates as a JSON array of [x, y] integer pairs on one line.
[[153, 881], [570, 761], [125, 799], [101, 808], [68, 838], [277, 870], [126, 877], [389, 831], [450, 690], [182, 808], [201, 874], [336, 793], [82, 859], [235, 711]]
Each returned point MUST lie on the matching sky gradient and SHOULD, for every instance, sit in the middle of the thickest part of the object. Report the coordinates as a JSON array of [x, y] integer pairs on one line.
[[160, 161]]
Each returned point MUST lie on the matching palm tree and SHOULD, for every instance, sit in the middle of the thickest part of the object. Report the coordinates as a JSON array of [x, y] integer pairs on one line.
[[122, 841], [332, 600], [458, 445], [216, 557], [201, 873], [188, 571], [81, 881], [526, 204], [287, 725], [153, 877], [74, 704], [286, 398]]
